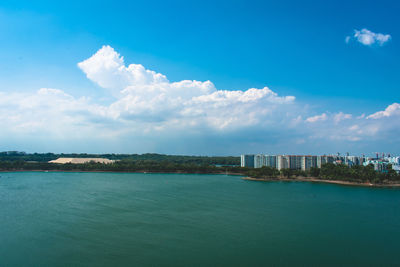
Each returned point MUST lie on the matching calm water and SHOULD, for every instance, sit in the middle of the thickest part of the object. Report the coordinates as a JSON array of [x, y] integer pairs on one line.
[[110, 219]]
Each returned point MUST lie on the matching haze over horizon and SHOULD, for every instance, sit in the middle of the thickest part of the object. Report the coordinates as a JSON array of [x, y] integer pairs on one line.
[[203, 79]]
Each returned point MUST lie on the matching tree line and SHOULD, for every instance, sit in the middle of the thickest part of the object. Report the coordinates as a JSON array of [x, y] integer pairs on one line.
[[187, 164], [126, 165], [45, 157], [330, 171]]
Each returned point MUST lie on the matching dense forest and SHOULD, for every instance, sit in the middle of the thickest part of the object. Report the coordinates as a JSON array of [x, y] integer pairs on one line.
[[13, 160], [45, 157], [125, 165]]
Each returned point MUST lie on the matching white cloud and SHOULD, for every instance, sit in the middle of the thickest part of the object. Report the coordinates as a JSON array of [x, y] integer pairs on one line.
[[341, 116], [317, 118], [148, 110], [49, 110], [382, 125], [354, 127], [391, 110], [106, 68], [145, 95], [146, 102], [367, 37]]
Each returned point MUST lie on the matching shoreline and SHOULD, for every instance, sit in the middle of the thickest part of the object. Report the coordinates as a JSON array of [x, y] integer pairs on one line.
[[316, 180], [151, 172], [275, 179]]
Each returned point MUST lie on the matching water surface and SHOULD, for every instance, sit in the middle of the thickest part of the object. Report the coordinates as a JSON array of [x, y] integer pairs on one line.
[[122, 219]]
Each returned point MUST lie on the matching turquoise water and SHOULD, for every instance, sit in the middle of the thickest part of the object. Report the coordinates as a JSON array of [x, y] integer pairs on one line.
[[115, 219]]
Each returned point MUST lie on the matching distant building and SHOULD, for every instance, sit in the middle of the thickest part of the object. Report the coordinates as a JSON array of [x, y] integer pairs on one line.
[[379, 165], [393, 160], [270, 161], [282, 162], [247, 161], [305, 162], [294, 162], [396, 168], [259, 161], [321, 160], [353, 160]]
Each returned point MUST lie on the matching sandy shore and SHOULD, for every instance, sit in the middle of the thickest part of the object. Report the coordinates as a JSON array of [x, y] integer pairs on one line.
[[316, 180]]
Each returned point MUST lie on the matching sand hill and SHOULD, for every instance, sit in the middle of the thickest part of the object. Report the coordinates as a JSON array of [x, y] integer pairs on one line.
[[81, 160]]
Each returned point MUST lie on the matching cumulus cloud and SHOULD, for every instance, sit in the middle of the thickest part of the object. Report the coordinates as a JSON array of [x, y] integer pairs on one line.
[[317, 118], [367, 37], [382, 125], [106, 68], [48, 109], [145, 95], [341, 116], [145, 102], [148, 109], [391, 110]]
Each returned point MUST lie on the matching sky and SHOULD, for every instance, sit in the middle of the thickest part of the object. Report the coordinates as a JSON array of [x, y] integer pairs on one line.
[[200, 77]]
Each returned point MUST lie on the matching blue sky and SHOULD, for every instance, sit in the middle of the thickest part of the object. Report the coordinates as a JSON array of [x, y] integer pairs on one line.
[[295, 48]]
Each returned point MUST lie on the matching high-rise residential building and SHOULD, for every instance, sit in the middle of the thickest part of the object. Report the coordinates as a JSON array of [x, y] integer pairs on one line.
[[305, 162], [270, 161], [294, 162], [321, 160], [247, 161], [378, 164], [393, 160], [259, 161], [282, 162], [314, 161]]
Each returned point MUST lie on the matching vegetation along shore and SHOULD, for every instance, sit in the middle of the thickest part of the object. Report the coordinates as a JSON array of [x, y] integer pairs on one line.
[[329, 173], [158, 163]]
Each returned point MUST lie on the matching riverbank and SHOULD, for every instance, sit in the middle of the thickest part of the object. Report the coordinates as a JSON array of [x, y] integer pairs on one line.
[[316, 180]]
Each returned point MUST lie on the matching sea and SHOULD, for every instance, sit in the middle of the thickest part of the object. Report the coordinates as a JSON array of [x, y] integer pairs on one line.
[[136, 219]]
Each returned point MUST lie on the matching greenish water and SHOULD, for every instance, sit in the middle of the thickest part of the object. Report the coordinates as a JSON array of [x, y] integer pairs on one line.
[[115, 219]]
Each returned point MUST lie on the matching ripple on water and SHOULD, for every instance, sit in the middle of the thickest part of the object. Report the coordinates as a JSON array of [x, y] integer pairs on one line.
[[103, 219]]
